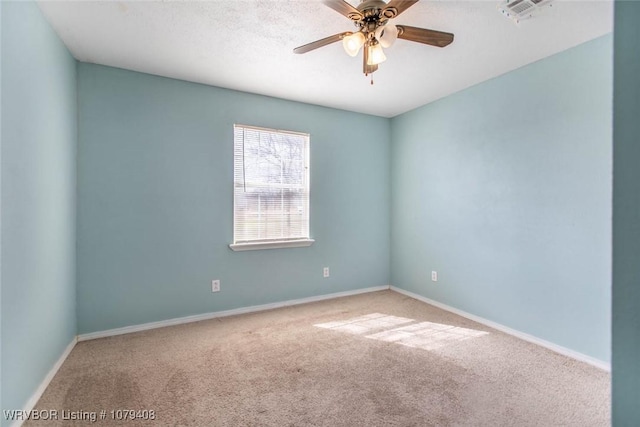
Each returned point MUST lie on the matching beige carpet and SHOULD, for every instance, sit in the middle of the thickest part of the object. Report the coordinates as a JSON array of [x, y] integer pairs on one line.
[[368, 360]]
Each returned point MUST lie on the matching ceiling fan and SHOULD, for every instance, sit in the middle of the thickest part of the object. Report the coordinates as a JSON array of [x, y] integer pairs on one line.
[[375, 31]]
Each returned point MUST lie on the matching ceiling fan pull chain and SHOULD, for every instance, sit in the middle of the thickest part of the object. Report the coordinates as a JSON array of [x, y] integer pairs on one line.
[[372, 79]]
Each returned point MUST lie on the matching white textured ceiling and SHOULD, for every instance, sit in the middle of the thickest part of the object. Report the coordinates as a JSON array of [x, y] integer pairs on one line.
[[247, 45]]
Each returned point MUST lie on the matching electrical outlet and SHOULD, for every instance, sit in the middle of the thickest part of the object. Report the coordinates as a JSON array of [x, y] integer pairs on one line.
[[215, 286], [434, 276], [325, 272]]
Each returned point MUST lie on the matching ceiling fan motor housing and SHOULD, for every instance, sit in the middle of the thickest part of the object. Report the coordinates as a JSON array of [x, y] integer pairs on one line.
[[365, 5], [375, 13]]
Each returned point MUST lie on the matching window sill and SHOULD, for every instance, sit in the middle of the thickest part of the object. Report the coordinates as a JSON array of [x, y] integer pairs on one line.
[[237, 247]]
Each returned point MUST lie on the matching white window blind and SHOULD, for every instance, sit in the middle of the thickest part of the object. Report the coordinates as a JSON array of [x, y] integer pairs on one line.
[[271, 186]]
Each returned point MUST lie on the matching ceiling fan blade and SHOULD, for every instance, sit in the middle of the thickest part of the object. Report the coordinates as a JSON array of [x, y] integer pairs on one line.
[[344, 8], [422, 35], [322, 42], [396, 7]]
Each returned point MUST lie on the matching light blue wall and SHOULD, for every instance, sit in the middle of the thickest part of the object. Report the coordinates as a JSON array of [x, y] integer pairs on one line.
[[155, 201], [38, 200], [626, 216], [505, 190]]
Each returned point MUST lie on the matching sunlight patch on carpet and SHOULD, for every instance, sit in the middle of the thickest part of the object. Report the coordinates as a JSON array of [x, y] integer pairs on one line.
[[365, 324], [383, 327]]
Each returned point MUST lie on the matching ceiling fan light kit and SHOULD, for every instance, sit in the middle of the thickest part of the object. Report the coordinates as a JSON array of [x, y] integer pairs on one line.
[[376, 54], [353, 43], [375, 31], [387, 35]]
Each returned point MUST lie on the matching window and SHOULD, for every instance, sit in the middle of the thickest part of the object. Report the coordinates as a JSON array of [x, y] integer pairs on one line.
[[270, 189]]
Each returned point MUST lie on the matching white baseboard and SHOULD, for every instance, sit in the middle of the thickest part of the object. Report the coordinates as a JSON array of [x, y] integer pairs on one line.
[[524, 336], [31, 403], [225, 313]]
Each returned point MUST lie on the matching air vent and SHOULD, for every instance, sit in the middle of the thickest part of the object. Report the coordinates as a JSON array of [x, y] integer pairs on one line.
[[522, 9]]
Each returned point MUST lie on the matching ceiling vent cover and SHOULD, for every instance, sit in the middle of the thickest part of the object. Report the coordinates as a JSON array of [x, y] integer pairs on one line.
[[522, 9]]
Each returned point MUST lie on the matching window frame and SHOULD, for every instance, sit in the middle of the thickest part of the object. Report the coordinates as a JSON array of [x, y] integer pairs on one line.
[[249, 245]]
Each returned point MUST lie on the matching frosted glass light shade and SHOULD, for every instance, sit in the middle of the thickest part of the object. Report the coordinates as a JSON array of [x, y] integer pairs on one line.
[[376, 55], [387, 35], [353, 43]]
